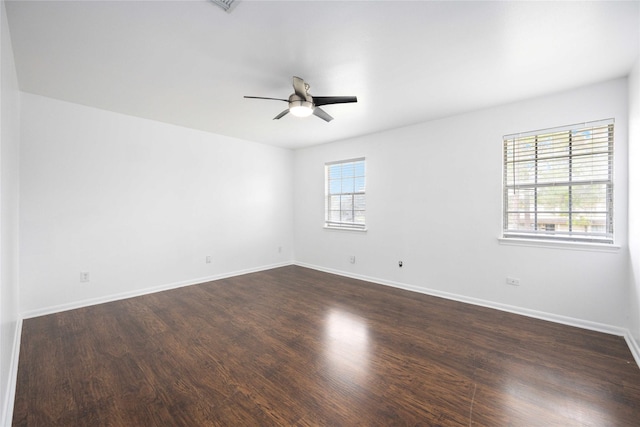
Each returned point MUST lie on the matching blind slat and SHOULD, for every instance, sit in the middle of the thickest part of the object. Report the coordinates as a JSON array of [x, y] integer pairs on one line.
[[585, 125]]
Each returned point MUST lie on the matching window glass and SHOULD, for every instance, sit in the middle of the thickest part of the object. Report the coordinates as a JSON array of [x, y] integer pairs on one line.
[[345, 199], [558, 183]]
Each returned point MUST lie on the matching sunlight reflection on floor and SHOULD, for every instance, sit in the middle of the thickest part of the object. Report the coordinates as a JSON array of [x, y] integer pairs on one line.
[[547, 394], [347, 349]]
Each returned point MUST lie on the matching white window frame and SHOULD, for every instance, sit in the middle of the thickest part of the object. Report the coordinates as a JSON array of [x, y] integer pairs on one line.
[[540, 229], [351, 194]]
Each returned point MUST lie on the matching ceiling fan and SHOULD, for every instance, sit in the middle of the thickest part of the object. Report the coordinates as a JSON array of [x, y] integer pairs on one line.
[[302, 104]]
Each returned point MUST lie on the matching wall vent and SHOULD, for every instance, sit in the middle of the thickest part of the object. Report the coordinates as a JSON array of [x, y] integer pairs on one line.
[[227, 5]]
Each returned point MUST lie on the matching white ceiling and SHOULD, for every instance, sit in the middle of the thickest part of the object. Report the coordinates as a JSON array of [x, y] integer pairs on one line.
[[189, 63]]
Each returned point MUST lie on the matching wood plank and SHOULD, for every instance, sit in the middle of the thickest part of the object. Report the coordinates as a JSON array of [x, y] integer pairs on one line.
[[294, 346]]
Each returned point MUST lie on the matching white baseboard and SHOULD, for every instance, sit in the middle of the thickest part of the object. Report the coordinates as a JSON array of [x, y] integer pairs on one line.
[[139, 292], [633, 346], [7, 405], [565, 320]]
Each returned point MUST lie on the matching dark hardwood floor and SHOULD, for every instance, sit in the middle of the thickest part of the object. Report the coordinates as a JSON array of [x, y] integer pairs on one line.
[[293, 346]]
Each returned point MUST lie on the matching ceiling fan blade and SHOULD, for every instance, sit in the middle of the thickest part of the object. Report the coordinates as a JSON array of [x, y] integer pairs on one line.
[[299, 87], [262, 97], [281, 115], [322, 114], [326, 100]]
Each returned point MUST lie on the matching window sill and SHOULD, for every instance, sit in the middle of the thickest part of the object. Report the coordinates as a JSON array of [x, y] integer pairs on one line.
[[552, 244], [357, 230]]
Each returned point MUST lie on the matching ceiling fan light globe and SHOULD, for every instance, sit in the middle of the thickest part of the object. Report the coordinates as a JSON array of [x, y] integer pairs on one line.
[[301, 108]]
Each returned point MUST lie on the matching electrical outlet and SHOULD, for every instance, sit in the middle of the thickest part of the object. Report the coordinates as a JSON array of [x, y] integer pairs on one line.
[[513, 281], [400, 264], [84, 276], [208, 259], [352, 259]]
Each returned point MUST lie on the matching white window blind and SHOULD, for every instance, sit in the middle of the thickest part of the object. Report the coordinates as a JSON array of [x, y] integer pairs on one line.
[[345, 201], [558, 183]]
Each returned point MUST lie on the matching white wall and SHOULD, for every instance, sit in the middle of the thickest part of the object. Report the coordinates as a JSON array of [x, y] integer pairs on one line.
[[9, 200], [434, 201], [139, 204], [634, 200]]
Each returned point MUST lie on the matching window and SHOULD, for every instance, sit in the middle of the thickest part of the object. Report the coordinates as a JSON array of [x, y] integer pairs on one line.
[[558, 183], [345, 194]]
